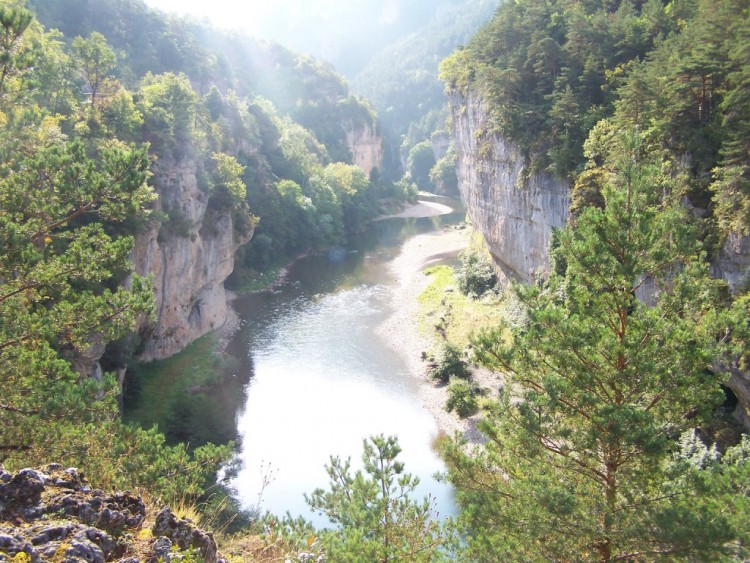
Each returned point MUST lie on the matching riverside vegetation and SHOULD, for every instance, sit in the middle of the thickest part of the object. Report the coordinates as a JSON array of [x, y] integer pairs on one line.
[[601, 443], [83, 128]]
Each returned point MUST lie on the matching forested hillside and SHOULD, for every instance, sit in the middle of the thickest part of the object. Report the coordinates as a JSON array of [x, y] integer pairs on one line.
[[129, 135], [549, 73], [401, 82], [275, 146], [610, 439]]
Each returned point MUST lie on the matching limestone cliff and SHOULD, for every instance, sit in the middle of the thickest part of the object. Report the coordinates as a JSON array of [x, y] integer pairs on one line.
[[733, 263], [365, 144], [515, 211], [188, 256]]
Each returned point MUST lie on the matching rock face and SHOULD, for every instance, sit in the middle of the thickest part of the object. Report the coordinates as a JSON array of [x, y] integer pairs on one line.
[[365, 144], [515, 211], [189, 258], [733, 264], [52, 514]]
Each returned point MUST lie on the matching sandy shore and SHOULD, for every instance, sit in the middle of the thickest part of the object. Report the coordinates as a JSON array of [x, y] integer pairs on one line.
[[421, 209], [400, 329]]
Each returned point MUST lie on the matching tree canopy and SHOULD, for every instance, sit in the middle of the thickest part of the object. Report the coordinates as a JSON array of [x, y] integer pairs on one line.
[[582, 459]]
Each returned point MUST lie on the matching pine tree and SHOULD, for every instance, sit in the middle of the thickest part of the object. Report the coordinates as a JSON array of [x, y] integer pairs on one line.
[[97, 59], [14, 21], [57, 296], [600, 384], [377, 517]]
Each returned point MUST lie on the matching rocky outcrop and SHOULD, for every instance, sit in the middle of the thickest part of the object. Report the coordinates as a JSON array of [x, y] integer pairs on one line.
[[365, 144], [188, 257], [733, 263], [52, 514], [514, 210]]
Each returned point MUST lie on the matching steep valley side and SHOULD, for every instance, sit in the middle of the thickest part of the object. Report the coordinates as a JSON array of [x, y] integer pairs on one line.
[[516, 212]]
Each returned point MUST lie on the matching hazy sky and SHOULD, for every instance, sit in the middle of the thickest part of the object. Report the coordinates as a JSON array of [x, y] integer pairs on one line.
[[345, 33], [252, 14], [223, 13]]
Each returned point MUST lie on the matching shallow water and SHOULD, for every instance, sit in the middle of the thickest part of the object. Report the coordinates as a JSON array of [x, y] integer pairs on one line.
[[321, 380]]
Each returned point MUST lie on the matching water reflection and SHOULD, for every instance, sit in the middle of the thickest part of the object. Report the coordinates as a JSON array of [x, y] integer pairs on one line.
[[322, 380]]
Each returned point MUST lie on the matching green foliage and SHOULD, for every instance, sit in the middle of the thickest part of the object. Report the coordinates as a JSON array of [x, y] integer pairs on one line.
[[228, 177], [118, 456], [168, 104], [378, 518], [443, 174], [72, 195], [420, 162], [587, 191], [119, 113], [722, 479], [476, 275], [462, 397], [97, 59], [14, 21], [406, 190], [599, 386], [732, 186], [451, 364]]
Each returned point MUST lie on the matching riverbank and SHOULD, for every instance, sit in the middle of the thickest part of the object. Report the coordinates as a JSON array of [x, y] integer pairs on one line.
[[400, 329], [276, 276], [420, 209]]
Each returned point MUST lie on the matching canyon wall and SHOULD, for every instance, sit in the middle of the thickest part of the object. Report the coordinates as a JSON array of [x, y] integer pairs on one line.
[[514, 210], [365, 143], [190, 253], [516, 213], [188, 257]]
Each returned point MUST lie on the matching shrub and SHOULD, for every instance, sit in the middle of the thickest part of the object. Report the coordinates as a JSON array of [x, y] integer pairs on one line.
[[450, 365], [476, 275], [462, 397]]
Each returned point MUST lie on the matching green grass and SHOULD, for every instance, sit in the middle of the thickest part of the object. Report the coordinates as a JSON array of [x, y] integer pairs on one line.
[[447, 314]]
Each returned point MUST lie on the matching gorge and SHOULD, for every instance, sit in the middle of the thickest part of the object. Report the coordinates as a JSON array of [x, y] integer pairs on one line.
[[214, 275]]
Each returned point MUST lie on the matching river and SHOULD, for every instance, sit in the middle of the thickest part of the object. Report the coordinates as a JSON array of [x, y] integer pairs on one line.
[[311, 378], [323, 380]]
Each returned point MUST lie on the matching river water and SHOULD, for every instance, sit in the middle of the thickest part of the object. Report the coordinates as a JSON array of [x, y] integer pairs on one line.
[[321, 380]]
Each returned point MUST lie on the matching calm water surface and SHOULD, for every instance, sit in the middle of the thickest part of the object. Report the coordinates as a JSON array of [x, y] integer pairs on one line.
[[321, 380]]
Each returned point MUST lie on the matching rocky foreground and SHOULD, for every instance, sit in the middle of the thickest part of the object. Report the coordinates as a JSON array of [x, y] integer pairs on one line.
[[53, 514]]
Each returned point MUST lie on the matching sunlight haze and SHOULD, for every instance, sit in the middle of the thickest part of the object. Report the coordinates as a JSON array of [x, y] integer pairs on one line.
[[223, 13], [255, 16], [346, 34]]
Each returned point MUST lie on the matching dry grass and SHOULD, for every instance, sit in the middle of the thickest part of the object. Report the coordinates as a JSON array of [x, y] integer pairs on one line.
[[256, 548]]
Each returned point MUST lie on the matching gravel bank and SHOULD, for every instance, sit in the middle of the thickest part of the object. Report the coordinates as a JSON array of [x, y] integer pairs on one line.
[[400, 329], [421, 209]]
